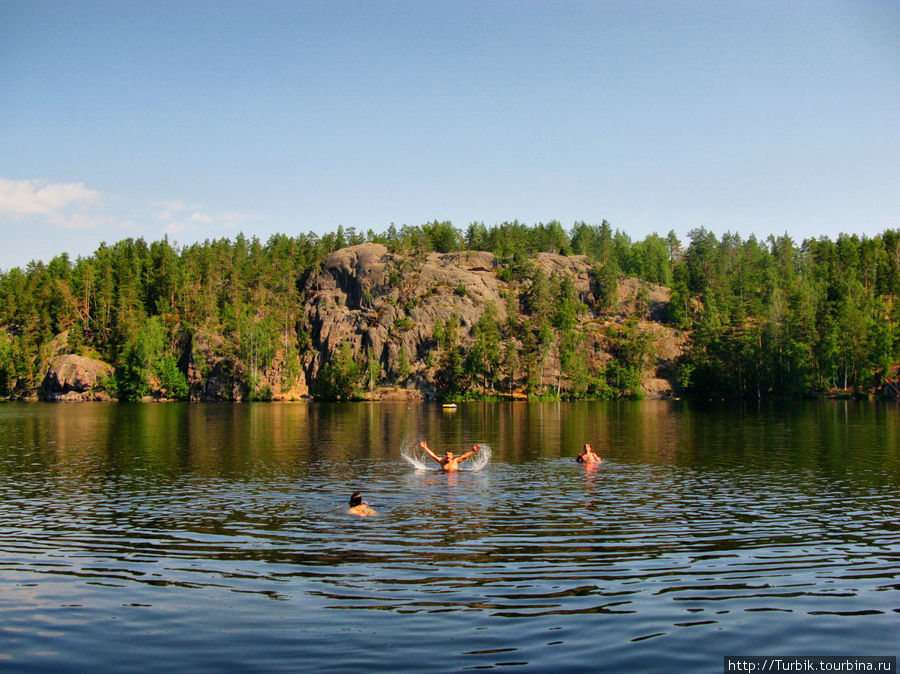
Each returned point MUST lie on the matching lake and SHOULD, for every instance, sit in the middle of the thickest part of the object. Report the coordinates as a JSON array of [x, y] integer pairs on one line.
[[216, 537]]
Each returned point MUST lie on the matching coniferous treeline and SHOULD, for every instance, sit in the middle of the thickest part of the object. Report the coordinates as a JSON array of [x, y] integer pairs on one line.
[[766, 318]]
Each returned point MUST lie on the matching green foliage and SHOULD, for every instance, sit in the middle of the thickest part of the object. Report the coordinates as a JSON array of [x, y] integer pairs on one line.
[[141, 358], [680, 305], [604, 280], [260, 394], [567, 306], [19, 364], [373, 368], [339, 377], [439, 335], [537, 340], [642, 301], [7, 367], [780, 320], [171, 379], [538, 297], [146, 361], [510, 366], [633, 351], [443, 237], [763, 318], [574, 365], [449, 332], [131, 378], [483, 359], [451, 376], [403, 368]]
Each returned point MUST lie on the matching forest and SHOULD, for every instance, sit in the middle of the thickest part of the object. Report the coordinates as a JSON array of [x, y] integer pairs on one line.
[[762, 318]]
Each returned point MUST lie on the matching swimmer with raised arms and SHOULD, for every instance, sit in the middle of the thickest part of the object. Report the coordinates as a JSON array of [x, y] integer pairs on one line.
[[448, 462]]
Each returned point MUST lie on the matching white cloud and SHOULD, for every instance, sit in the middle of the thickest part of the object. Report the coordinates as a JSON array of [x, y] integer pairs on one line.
[[75, 206], [203, 218], [181, 217], [231, 220], [173, 210], [61, 204], [169, 206]]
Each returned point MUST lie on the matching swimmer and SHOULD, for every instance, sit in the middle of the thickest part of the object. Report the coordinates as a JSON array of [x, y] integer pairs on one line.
[[358, 506], [588, 455], [449, 462]]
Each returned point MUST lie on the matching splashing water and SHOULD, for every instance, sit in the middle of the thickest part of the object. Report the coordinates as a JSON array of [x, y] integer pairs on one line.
[[418, 459], [480, 459], [413, 454]]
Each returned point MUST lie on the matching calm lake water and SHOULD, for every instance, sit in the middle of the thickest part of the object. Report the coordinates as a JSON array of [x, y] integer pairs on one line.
[[216, 537]]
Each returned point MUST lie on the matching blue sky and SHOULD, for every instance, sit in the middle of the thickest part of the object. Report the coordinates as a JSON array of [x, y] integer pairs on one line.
[[204, 119]]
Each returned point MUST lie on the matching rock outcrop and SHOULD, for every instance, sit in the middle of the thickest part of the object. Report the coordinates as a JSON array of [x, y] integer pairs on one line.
[[381, 303], [75, 378]]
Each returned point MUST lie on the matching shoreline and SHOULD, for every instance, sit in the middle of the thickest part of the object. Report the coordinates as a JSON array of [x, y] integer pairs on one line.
[[422, 400]]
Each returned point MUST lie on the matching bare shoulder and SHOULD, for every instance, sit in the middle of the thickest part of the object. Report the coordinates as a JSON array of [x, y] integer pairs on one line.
[[361, 511]]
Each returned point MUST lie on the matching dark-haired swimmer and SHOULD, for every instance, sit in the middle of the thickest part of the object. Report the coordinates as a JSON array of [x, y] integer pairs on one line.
[[588, 455], [358, 506], [448, 462]]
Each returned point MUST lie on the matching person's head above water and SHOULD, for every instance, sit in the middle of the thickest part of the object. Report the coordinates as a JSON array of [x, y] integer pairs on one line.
[[588, 455], [358, 506], [449, 455]]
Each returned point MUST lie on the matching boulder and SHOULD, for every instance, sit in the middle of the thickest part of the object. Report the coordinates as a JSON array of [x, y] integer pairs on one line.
[[75, 378]]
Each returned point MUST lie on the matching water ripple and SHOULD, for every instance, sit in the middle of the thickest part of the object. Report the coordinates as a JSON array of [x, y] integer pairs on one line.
[[540, 547]]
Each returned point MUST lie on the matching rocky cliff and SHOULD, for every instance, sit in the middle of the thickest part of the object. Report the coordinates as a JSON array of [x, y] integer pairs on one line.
[[389, 307]]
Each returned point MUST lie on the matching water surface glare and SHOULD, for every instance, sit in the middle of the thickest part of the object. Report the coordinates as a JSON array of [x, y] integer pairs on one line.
[[213, 537]]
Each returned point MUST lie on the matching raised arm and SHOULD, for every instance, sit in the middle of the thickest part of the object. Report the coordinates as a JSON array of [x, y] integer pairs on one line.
[[474, 449], [428, 451]]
